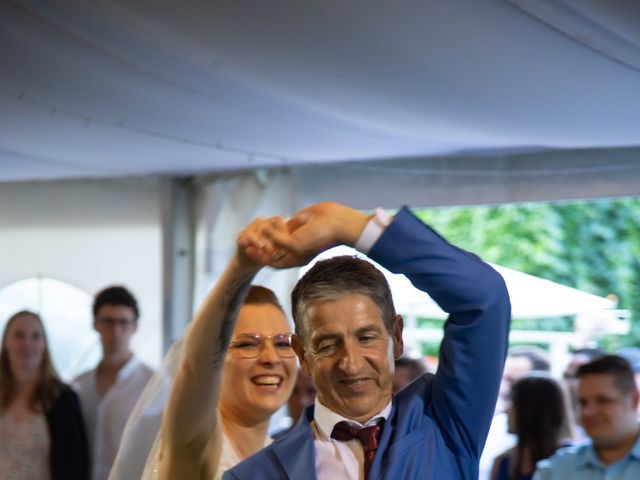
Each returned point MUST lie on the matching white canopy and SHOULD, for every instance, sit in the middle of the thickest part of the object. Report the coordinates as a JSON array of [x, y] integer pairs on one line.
[[531, 297], [528, 94]]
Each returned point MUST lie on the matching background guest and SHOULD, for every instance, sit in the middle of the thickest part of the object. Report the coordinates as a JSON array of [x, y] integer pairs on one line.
[[520, 361], [579, 357], [303, 395], [539, 416], [40, 417], [406, 370], [109, 392], [608, 401]]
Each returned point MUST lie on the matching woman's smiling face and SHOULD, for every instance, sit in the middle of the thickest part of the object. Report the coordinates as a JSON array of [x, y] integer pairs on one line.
[[254, 388], [25, 343]]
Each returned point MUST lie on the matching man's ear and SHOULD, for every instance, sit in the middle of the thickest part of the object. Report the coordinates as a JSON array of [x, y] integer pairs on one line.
[[398, 343], [298, 347]]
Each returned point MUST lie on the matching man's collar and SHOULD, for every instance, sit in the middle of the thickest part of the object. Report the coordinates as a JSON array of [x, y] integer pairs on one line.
[[128, 368], [589, 457], [325, 419]]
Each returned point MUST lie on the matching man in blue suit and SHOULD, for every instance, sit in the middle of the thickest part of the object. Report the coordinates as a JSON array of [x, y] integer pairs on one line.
[[348, 335]]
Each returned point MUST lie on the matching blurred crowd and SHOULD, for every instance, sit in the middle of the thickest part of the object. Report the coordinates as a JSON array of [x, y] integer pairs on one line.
[[61, 431]]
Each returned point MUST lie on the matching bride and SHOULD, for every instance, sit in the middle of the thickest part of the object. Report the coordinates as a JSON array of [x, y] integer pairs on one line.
[[237, 368]]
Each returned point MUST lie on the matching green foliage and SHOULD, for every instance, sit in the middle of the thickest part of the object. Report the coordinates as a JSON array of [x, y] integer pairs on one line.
[[593, 246], [429, 349], [557, 324], [422, 322]]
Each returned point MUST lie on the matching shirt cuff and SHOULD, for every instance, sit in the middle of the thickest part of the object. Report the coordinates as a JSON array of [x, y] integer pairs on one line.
[[372, 231]]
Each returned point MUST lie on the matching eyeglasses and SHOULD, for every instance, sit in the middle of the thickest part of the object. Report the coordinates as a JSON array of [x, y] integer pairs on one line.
[[115, 322], [250, 345]]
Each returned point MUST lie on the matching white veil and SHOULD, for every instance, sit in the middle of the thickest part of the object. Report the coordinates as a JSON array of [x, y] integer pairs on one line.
[[138, 450]]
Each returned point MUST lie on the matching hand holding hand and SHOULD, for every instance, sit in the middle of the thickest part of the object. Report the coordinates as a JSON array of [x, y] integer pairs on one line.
[[309, 232], [255, 245]]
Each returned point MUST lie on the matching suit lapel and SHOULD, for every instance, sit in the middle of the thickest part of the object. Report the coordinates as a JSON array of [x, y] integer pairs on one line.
[[295, 450]]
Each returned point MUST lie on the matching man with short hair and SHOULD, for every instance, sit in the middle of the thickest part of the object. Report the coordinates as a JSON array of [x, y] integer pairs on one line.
[[348, 336], [109, 392], [608, 400], [579, 357]]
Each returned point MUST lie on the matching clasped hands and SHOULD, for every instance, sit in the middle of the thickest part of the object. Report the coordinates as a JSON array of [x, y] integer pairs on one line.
[[281, 243]]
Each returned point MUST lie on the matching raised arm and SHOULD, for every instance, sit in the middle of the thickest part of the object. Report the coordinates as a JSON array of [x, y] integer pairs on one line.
[[474, 294], [474, 347], [191, 417]]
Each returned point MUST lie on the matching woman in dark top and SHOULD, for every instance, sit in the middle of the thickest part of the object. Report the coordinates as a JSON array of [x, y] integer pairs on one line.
[[539, 416], [40, 416]]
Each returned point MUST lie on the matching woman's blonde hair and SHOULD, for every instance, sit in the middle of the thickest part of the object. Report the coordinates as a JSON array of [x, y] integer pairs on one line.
[[49, 383]]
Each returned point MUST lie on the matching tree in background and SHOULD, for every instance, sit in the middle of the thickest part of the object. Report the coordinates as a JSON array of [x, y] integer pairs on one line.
[[593, 246]]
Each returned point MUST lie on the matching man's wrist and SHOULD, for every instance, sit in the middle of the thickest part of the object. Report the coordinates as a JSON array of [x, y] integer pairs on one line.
[[374, 228], [351, 224]]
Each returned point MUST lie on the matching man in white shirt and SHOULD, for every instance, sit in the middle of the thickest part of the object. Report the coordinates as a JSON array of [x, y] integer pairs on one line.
[[348, 336], [109, 392]]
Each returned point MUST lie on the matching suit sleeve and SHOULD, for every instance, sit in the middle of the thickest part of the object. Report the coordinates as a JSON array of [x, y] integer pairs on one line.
[[474, 346]]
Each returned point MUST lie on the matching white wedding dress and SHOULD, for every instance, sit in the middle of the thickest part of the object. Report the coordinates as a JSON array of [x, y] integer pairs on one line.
[[139, 448], [228, 459]]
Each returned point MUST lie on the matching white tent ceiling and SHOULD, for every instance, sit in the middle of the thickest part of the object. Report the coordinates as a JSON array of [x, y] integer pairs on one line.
[[139, 87]]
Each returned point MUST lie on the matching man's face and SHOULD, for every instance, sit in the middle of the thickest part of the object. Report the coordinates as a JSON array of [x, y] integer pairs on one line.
[[569, 376], [608, 415], [350, 355], [115, 324]]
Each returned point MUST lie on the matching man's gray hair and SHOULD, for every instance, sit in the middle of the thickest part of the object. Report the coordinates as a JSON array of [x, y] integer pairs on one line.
[[332, 279]]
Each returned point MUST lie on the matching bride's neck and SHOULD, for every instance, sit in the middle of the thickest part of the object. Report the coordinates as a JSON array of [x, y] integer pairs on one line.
[[245, 438]]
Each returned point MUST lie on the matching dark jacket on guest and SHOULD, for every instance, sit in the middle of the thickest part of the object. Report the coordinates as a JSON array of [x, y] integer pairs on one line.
[[69, 448]]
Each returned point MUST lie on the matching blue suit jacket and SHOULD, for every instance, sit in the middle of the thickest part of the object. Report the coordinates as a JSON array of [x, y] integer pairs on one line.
[[438, 424]]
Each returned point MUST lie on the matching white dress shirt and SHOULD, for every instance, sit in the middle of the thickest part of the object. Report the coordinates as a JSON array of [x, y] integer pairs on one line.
[[338, 460], [345, 460], [105, 417]]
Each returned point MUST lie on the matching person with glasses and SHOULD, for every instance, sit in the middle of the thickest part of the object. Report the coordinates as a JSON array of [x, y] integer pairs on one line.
[[109, 391], [236, 368]]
